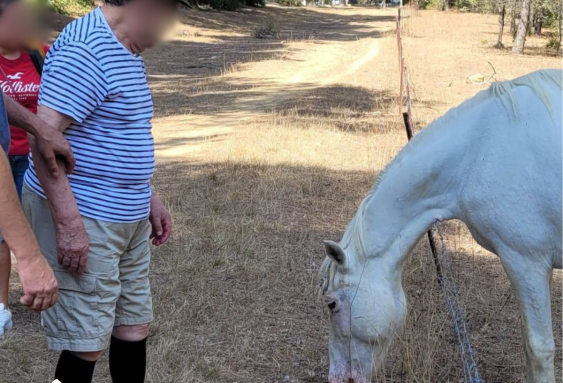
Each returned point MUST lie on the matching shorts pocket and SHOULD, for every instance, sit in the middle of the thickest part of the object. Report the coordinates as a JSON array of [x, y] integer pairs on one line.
[[77, 309]]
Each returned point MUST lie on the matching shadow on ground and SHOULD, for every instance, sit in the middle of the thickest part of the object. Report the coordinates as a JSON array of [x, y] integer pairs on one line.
[[235, 288], [204, 58]]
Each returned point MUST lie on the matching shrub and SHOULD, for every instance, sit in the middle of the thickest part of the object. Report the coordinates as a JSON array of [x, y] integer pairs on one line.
[[267, 30], [71, 7], [229, 5], [256, 3], [554, 43], [290, 3]]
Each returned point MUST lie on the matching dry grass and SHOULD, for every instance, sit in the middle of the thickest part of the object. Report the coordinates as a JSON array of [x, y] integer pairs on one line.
[[265, 148]]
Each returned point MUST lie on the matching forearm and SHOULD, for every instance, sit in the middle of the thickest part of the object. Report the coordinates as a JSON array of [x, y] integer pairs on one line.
[[21, 117], [13, 224], [57, 189], [5, 270]]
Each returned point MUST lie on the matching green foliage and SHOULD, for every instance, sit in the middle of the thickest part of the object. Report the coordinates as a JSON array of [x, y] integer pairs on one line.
[[553, 43], [290, 3], [478, 6], [256, 3], [267, 30], [71, 7], [229, 5]]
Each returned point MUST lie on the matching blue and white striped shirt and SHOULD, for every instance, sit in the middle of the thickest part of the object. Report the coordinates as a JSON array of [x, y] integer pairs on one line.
[[90, 76]]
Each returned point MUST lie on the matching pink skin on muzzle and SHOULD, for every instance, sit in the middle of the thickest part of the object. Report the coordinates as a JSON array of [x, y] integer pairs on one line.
[[344, 376]]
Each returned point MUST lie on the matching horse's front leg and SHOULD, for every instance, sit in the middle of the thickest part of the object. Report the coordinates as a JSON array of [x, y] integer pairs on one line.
[[531, 281]]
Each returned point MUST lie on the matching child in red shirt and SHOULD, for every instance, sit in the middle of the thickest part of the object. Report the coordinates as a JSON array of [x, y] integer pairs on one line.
[[20, 79]]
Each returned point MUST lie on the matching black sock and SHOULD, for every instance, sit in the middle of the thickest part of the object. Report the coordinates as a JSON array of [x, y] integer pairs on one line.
[[127, 361], [72, 369]]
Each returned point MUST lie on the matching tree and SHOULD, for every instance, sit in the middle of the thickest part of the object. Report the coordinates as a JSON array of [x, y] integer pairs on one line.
[[539, 22], [446, 5], [502, 12], [513, 18], [518, 47]]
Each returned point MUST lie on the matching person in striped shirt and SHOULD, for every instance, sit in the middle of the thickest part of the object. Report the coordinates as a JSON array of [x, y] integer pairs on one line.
[[95, 225]]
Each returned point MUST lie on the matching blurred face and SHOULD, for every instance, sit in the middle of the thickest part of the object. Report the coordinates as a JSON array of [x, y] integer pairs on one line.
[[149, 20], [20, 25]]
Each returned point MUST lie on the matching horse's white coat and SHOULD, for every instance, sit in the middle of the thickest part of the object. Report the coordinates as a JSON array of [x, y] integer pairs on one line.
[[494, 162]]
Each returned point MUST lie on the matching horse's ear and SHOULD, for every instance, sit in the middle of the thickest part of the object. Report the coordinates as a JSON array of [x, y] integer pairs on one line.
[[335, 252]]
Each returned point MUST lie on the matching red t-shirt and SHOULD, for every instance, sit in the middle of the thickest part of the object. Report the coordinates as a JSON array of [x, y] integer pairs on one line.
[[22, 85]]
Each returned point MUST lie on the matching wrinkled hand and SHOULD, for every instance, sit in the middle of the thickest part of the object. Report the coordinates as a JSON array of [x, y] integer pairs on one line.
[[160, 220], [40, 288], [73, 246], [52, 144], [5, 320]]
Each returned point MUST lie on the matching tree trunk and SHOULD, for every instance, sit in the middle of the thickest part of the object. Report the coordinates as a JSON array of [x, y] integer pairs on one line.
[[502, 13], [560, 47], [446, 5], [513, 19], [538, 22], [518, 47], [531, 18]]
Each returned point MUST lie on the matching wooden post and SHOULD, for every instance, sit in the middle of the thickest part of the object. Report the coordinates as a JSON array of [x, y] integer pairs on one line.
[[402, 85]]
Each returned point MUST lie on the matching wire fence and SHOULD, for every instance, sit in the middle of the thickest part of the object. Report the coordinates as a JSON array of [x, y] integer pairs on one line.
[[405, 16], [445, 276]]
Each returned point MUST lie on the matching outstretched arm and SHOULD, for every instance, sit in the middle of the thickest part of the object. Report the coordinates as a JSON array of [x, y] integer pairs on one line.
[[49, 141], [72, 240], [39, 284]]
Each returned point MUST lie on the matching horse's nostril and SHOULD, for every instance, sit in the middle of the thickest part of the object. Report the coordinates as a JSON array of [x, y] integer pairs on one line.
[[332, 306]]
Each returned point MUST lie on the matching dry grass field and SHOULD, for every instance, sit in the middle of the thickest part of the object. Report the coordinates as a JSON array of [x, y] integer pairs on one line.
[[265, 147]]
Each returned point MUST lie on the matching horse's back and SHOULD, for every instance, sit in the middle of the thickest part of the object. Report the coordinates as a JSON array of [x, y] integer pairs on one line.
[[512, 198]]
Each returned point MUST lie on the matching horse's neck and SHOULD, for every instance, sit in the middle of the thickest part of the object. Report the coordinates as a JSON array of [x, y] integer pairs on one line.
[[420, 187]]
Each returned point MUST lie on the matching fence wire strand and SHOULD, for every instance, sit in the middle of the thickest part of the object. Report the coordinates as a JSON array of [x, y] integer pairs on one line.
[[442, 262]]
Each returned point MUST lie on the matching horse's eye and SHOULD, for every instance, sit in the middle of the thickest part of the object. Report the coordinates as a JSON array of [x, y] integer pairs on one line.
[[331, 305]]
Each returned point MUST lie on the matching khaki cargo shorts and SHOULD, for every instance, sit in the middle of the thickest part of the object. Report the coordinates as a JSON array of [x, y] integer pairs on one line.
[[113, 291]]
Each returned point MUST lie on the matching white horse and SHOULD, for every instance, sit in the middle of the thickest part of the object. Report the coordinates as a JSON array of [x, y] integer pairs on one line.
[[494, 162]]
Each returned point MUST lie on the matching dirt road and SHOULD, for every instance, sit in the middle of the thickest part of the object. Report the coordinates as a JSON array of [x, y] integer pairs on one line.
[[302, 60]]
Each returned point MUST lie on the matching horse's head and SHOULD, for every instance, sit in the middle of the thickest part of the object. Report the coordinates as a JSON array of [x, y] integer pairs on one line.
[[366, 304]]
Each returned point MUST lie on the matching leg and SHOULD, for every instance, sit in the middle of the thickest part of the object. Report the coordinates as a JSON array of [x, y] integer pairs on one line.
[[531, 282], [19, 165], [80, 324], [134, 311], [77, 367], [133, 333], [128, 353]]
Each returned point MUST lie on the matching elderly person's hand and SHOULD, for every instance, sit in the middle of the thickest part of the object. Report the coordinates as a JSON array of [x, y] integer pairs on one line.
[[160, 220], [72, 245], [50, 141], [52, 144], [5, 320]]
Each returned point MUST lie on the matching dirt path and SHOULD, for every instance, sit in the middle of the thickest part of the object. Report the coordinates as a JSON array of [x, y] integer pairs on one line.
[[252, 90]]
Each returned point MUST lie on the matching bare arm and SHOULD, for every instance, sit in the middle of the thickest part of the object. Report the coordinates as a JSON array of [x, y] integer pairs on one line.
[[72, 240], [50, 142], [37, 278]]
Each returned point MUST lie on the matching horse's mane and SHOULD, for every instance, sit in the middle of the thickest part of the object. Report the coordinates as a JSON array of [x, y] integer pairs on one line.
[[352, 235], [535, 81], [503, 90]]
